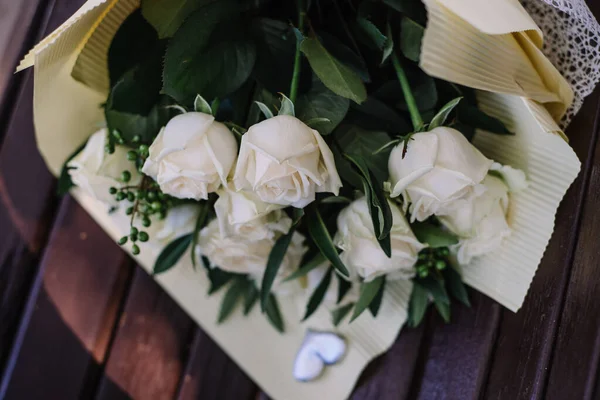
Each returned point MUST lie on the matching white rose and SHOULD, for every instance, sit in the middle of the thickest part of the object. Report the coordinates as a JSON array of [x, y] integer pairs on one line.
[[244, 213], [191, 156], [481, 223], [243, 254], [362, 254], [95, 171], [179, 221], [439, 170], [285, 162]]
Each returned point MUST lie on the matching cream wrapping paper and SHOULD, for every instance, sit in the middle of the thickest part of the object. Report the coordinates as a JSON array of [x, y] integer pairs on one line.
[[71, 83]]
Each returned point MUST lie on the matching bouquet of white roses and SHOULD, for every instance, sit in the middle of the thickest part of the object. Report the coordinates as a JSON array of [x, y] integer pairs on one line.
[[344, 155]]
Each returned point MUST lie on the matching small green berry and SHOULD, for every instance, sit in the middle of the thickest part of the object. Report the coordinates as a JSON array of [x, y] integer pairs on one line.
[[134, 230], [136, 139], [440, 265], [162, 215], [445, 252], [126, 176], [123, 240], [423, 273], [132, 155], [151, 196], [143, 149], [422, 256], [146, 222], [135, 250], [140, 194], [116, 134], [129, 211], [112, 190], [120, 196], [143, 236], [109, 149], [133, 238], [130, 196], [157, 205]]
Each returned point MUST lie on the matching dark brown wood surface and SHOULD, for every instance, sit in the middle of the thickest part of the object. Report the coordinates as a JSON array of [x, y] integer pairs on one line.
[[79, 320]]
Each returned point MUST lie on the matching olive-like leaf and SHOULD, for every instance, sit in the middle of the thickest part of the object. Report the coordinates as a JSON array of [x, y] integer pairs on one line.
[[440, 118], [376, 303], [410, 39], [314, 262], [456, 286], [273, 314], [434, 236], [231, 298], [318, 295], [419, 300], [171, 254], [273, 264], [338, 315], [322, 238], [368, 292], [251, 296]]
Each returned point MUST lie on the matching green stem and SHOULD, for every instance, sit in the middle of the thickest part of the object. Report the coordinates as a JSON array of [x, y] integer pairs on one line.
[[415, 116], [298, 55]]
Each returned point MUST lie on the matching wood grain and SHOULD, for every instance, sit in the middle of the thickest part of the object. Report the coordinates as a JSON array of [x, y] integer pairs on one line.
[[211, 375], [68, 322], [150, 347]]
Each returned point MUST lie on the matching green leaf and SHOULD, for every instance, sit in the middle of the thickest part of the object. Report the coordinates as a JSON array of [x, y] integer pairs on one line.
[[345, 55], [419, 300], [201, 105], [167, 15], [456, 286], [443, 309], [336, 76], [374, 114], [415, 9], [320, 235], [411, 38], [474, 117], [338, 315], [376, 303], [373, 33], [368, 292], [435, 287], [318, 295], [273, 313], [321, 103], [146, 127], [264, 109], [132, 43], [287, 106], [343, 288], [275, 258], [360, 143], [231, 298], [171, 254], [200, 223], [297, 215], [65, 183], [314, 262], [218, 278], [388, 48], [336, 200], [434, 236], [251, 296], [442, 115], [276, 48], [380, 210], [210, 54], [423, 87]]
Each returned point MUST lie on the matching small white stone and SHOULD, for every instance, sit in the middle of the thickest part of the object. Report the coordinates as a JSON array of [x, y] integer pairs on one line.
[[318, 349]]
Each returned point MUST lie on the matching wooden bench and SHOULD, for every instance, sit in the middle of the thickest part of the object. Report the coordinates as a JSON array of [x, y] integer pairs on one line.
[[79, 320]]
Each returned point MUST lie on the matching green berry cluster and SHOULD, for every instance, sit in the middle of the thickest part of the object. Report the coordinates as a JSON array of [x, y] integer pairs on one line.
[[146, 200], [431, 260]]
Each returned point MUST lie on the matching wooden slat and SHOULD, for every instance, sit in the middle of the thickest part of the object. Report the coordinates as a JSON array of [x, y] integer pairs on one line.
[[211, 375], [150, 347], [70, 315], [457, 355], [27, 200], [525, 340], [21, 22], [576, 353], [390, 376]]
